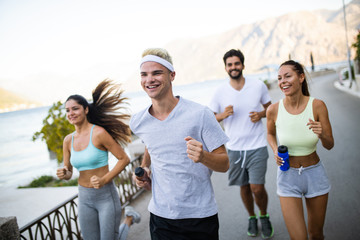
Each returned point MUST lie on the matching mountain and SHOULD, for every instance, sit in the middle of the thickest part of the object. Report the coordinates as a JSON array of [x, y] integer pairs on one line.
[[268, 42], [10, 101], [352, 15]]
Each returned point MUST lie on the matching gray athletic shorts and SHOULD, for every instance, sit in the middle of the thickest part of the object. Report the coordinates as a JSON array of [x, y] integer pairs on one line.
[[247, 167], [310, 182]]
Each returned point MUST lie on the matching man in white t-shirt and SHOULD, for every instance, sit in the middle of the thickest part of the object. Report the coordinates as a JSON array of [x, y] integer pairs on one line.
[[184, 144], [240, 104]]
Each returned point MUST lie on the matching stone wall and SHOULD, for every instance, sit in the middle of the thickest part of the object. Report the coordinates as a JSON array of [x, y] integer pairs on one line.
[[9, 228]]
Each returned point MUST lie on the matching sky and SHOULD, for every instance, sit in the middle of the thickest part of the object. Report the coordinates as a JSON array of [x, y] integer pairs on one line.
[[63, 45]]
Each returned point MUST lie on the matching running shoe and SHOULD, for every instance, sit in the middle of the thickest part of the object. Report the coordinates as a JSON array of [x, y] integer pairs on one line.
[[130, 212], [253, 227], [267, 231]]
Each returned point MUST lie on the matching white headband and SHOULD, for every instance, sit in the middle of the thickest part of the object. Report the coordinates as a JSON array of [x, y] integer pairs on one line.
[[153, 58]]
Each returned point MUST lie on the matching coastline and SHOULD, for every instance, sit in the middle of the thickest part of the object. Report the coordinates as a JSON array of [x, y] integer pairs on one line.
[[19, 107]]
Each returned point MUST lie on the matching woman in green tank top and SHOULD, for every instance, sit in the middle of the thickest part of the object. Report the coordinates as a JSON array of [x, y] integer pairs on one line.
[[299, 121]]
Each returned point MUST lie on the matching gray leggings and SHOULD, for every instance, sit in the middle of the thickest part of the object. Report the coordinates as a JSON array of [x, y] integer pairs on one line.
[[100, 213]]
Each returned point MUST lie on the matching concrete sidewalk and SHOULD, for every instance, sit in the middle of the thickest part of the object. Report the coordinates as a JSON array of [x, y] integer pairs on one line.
[[345, 87], [28, 204]]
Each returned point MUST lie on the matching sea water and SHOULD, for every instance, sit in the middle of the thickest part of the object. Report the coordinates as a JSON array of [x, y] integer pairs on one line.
[[21, 159]]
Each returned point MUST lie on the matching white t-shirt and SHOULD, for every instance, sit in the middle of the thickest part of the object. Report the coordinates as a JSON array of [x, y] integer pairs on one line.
[[180, 188], [243, 134]]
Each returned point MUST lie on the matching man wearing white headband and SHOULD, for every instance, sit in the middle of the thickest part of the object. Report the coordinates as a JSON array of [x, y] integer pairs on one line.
[[184, 144]]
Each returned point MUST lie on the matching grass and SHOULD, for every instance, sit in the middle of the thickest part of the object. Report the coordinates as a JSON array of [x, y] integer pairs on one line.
[[50, 181]]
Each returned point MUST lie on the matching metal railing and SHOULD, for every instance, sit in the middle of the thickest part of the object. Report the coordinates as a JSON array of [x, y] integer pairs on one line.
[[61, 222], [127, 189]]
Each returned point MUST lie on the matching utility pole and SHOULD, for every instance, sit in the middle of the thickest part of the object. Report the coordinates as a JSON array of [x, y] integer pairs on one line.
[[347, 46]]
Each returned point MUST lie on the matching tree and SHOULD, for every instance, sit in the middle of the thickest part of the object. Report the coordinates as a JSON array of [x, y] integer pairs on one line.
[[356, 45], [54, 130]]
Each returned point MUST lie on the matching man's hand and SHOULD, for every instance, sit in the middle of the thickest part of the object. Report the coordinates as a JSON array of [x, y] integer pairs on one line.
[[228, 111], [194, 149], [255, 116], [139, 182]]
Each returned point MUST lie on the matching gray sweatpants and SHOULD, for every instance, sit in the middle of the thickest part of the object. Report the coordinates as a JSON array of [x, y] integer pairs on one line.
[[100, 213]]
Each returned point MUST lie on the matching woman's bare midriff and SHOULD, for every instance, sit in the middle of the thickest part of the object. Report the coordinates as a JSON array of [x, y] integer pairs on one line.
[[304, 161], [84, 178]]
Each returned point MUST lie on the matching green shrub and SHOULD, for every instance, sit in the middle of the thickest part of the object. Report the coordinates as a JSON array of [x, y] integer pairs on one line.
[[54, 130], [50, 181], [356, 45], [346, 73], [41, 181]]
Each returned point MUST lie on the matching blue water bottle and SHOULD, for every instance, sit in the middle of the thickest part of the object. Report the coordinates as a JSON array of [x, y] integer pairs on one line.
[[283, 153]]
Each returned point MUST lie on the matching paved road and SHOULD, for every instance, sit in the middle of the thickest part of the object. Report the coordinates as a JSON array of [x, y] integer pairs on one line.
[[341, 163]]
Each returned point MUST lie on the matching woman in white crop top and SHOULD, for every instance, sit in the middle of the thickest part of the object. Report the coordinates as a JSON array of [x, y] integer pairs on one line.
[[299, 121], [99, 129]]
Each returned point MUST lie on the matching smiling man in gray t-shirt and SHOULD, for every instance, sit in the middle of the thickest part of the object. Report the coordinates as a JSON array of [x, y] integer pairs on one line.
[[184, 144]]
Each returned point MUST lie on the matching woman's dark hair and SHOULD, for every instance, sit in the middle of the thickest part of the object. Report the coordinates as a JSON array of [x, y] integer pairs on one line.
[[104, 110], [299, 69]]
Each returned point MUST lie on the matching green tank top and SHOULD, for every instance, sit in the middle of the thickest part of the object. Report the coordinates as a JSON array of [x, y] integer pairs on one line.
[[293, 132]]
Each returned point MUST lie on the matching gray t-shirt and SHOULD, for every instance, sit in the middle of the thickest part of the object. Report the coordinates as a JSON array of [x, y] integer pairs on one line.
[[180, 188]]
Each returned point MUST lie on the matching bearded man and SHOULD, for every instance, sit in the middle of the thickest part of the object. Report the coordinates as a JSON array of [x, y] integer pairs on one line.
[[240, 104]]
